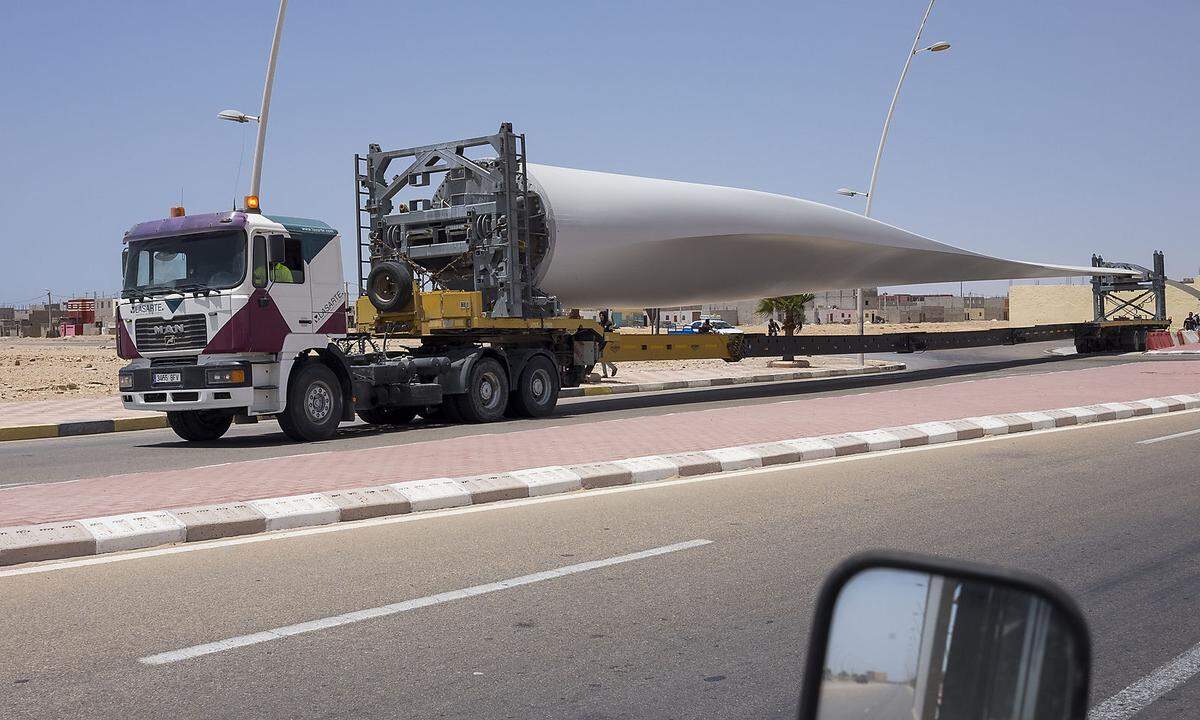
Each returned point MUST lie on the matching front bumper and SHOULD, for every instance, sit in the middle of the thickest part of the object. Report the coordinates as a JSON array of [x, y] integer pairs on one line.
[[146, 388]]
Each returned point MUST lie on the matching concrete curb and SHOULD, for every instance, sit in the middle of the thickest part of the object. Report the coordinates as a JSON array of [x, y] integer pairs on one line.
[[155, 422], [81, 427], [723, 381], [93, 536]]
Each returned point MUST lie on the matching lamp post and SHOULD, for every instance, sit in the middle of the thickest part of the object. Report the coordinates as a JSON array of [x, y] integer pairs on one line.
[[887, 122], [261, 118]]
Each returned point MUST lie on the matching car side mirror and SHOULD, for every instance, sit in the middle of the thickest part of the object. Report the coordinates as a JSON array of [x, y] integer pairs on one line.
[[908, 637]]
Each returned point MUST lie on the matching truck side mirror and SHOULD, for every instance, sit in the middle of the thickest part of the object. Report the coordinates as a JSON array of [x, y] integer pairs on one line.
[[918, 638]]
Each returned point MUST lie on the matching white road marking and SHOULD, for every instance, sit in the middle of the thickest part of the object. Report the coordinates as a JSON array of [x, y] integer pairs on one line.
[[385, 610], [1138, 696], [278, 535], [1151, 441]]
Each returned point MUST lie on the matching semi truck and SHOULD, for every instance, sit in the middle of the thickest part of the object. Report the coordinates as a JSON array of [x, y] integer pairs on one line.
[[239, 316]]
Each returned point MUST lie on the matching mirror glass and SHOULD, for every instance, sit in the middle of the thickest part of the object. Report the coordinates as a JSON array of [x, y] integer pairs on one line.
[[906, 645]]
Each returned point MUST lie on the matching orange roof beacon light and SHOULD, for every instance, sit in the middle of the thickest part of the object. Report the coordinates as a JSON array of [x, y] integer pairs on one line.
[[251, 203], [177, 211]]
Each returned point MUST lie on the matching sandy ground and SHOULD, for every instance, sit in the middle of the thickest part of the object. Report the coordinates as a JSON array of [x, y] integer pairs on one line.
[[46, 369]]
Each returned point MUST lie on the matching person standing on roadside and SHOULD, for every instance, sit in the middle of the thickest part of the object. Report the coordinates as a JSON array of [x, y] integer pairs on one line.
[[606, 323]]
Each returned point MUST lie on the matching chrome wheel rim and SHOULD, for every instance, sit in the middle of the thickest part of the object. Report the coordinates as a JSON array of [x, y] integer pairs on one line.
[[489, 390], [318, 402], [539, 386]]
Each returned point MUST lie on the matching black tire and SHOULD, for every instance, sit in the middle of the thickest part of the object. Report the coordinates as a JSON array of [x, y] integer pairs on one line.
[[486, 397], [389, 286], [199, 425], [388, 415], [314, 404], [537, 389]]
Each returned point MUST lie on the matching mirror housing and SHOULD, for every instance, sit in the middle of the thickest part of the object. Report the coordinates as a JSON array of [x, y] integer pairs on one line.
[[981, 643]]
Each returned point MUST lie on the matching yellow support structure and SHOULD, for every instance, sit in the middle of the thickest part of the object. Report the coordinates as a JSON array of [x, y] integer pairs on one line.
[[624, 348], [437, 312]]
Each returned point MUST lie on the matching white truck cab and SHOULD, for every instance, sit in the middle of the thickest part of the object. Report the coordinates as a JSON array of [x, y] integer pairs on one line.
[[233, 315]]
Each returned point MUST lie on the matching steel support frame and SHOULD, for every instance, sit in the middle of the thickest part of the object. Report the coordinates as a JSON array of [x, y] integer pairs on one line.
[[500, 270], [1152, 285]]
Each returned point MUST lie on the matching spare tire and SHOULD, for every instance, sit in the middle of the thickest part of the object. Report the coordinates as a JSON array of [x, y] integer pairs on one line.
[[389, 286]]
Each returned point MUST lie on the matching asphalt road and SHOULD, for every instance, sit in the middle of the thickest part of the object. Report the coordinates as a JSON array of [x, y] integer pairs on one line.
[[57, 459], [714, 630]]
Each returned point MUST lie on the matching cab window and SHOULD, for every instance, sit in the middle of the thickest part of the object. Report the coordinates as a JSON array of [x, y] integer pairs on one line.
[[287, 260], [259, 276]]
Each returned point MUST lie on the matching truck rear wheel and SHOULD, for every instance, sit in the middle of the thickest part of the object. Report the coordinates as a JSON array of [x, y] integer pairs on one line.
[[314, 405], [486, 397], [388, 415], [536, 393], [199, 425]]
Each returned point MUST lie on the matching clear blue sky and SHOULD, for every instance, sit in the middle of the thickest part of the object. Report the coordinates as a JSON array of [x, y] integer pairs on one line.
[[1049, 131]]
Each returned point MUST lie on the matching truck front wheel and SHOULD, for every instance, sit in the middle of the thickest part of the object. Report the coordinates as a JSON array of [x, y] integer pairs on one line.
[[314, 405], [199, 425], [486, 397]]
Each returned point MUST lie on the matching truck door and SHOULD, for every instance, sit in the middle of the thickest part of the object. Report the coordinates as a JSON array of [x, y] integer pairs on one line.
[[326, 284], [288, 284]]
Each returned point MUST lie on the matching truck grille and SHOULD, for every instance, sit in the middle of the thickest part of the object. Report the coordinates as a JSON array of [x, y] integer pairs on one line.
[[178, 333]]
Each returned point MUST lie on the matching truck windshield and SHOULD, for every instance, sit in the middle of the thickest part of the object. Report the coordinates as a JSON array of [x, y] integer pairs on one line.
[[206, 261]]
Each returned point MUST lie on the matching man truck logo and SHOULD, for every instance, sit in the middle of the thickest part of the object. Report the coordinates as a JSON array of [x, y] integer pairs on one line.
[[169, 333]]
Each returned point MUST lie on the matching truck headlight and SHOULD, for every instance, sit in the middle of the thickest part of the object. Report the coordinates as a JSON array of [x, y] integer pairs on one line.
[[225, 376], [126, 380]]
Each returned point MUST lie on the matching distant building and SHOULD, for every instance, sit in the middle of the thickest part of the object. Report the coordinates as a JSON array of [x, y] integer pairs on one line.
[[814, 312], [941, 307]]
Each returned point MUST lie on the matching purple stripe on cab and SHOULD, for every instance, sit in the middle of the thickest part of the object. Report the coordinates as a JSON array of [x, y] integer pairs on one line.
[[186, 224]]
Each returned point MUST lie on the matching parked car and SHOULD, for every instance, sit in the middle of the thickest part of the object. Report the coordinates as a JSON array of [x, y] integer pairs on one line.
[[719, 327]]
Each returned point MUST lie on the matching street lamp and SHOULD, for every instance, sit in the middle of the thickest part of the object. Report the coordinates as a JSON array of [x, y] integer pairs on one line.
[[241, 117], [236, 116], [887, 122]]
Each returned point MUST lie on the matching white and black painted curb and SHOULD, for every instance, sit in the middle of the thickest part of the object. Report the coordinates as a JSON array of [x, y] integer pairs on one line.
[[92, 536], [807, 374]]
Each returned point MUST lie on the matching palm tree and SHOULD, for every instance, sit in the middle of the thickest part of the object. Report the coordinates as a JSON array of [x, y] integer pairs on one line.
[[791, 308]]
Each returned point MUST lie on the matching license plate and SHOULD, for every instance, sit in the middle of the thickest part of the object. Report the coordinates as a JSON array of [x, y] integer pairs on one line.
[[160, 378]]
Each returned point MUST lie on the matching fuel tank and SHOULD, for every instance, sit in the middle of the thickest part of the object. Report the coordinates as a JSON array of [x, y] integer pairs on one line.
[[626, 241]]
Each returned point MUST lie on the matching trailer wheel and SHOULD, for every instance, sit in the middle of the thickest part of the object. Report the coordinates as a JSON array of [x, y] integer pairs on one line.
[[199, 425], [536, 393], [388, 415], [486, 397], [314, 405]]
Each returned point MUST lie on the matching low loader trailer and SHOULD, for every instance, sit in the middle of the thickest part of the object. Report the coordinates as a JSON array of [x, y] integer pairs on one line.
[[238, 316]]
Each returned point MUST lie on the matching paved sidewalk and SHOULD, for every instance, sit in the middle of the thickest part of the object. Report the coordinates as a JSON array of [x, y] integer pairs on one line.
[[1188, 349], [645, 378], [595, 442], [74, 416]]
